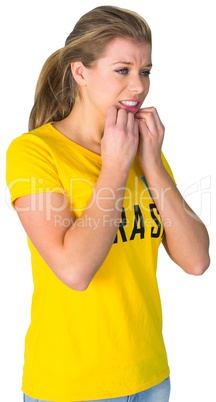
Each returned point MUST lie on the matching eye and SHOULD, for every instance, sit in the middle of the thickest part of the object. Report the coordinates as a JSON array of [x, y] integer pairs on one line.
[[145, 73], [123, 71]]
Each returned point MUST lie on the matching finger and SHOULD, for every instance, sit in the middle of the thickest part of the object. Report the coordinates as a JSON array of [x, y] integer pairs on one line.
[[148, 123], [111, 116], [131, 123], [151, 125], [144, 110], [151, 117], [143, 128], [122, 117], [136, 128]]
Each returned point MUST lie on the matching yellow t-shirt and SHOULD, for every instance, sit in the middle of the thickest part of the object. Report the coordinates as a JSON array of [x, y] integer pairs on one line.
[[106, 341]]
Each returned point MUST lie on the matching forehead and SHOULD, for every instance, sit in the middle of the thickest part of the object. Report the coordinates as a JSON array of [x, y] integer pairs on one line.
[[128, 49]]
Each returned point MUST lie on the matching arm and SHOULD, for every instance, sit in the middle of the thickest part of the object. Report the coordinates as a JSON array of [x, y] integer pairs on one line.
[[81, 247], [186, 239]]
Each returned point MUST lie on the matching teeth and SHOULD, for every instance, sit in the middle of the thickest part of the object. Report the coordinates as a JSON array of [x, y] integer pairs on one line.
[[129, 103]]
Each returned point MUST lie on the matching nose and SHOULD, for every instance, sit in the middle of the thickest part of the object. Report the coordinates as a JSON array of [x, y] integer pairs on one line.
[[137, 84]]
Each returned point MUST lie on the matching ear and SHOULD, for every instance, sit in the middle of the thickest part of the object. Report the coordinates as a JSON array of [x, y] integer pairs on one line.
[[78, 72]]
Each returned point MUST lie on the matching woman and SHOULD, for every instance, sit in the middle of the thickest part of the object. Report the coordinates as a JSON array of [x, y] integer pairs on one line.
[[96, 198]]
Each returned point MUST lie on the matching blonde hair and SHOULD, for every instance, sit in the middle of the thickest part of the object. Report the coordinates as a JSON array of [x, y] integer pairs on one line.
[[56, 90]]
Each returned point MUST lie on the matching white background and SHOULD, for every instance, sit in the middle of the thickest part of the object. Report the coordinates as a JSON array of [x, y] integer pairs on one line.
[[183, 90]]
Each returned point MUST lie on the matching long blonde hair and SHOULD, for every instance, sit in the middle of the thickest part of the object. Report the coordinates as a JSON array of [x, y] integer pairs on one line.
[[56, 89]]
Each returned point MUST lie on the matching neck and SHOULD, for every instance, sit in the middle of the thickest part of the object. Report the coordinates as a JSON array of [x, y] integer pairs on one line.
[[83, 127]]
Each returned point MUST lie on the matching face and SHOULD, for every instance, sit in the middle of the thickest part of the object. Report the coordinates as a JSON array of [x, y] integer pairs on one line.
[[119, 78]]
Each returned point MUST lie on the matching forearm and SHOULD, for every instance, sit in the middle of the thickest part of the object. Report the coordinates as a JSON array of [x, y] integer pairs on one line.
[[186, 238], [88, 240]]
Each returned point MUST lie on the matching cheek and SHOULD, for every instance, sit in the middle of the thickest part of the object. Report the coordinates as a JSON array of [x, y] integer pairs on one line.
[[147, 87], [107, 91]]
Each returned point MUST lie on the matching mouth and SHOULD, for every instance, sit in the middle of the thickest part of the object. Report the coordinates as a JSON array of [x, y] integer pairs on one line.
[[130, 105]]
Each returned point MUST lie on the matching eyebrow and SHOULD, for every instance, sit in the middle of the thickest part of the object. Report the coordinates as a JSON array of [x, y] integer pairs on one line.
[[129, 63]]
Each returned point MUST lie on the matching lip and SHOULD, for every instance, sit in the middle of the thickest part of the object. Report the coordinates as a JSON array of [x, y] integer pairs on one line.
[[130, 108]]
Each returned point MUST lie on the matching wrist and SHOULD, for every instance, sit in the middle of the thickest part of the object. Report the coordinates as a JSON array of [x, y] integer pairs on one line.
[[114, 174], [152, 167]]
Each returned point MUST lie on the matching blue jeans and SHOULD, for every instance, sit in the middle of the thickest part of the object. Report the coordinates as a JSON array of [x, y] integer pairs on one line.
[[159, 393]]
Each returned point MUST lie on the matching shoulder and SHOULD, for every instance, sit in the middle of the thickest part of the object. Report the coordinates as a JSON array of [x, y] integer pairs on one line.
[[28, 153], [30, 163], [31, 148], [39, 136]]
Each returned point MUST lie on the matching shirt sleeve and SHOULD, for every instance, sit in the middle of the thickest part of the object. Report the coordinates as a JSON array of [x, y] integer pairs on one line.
[[167, 167], [30, 167]]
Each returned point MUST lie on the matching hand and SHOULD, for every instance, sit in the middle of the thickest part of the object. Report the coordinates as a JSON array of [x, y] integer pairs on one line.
[[151, 134], [120, 140]]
